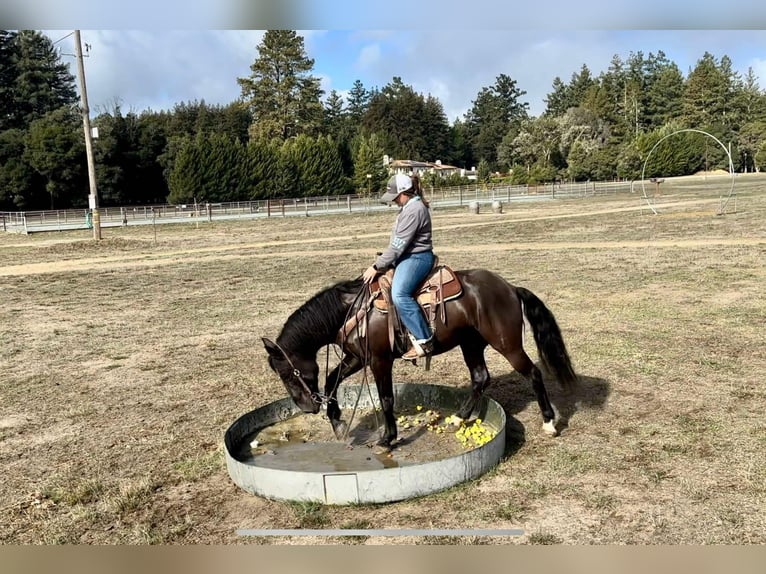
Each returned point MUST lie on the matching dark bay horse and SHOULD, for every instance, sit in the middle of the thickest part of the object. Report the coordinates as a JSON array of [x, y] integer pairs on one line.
[[489, 312]]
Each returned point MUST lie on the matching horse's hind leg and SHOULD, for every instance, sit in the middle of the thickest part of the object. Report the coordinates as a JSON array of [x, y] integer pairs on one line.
[[473, 354], [524, 365]]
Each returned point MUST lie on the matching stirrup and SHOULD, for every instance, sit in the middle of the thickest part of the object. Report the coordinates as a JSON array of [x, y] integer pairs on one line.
[[418, 350]]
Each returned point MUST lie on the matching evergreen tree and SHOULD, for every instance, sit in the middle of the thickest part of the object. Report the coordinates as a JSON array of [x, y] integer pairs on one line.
[[682, 154], [705, 94], [368, 160], [664, 95], [358, 103], [458, 145], [335, 116], [559, 100], [749, 99], [187, 177], [112, 156], [287, 176], [613, 83], [495, 111], [18, 179], [55, 148], [8, 57], [321, 168], [435, 129], [42, 82], [149, 185], [260, 169], [751, 138], [760, 158], [579, 85], [281, 93], [483, 172], [396, 113]]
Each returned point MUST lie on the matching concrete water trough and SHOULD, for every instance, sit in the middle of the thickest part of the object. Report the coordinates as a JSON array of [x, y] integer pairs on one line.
[[280, 453]]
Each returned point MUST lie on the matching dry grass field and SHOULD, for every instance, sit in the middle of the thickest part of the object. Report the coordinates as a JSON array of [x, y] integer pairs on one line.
[[124, 362]]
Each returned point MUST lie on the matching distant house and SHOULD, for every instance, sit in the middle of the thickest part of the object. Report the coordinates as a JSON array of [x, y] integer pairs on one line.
[[421, 168]]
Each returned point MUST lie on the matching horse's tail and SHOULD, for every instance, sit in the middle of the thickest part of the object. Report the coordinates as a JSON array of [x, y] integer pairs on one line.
[[550, 344]]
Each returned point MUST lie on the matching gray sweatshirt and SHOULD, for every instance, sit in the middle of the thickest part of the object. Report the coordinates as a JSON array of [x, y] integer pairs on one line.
[[411, 234]]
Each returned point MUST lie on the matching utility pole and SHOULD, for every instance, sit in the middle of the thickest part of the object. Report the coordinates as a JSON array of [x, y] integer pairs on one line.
[[93, 197]]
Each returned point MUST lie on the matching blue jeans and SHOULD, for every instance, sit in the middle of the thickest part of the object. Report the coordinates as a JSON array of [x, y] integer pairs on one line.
[[410, 273]]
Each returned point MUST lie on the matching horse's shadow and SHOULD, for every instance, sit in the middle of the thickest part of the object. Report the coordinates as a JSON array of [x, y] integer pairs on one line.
[[514, 394]]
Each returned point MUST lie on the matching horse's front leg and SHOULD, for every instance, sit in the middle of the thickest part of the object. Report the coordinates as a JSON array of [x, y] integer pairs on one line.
[[381, 370], [348, 365], [473, 355]]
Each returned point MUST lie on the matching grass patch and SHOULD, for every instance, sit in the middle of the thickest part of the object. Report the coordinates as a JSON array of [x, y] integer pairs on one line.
[[132, 496], [544, 538], [84, 492], [199, 467], [309, 514], [511, 510]]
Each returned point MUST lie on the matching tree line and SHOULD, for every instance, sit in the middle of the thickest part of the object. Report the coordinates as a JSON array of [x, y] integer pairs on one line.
[[285, 138]]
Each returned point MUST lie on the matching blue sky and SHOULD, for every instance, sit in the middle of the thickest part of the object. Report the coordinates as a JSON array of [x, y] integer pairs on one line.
[[150, 68]]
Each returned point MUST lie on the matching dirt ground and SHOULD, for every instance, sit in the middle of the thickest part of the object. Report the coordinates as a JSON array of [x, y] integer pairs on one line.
[[124, 362]]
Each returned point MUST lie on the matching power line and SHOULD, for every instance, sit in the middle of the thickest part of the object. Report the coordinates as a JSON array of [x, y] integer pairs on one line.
[[63, 38]]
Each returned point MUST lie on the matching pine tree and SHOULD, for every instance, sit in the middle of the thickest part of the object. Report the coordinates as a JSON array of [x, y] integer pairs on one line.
[[358, 103], [43, 83], [8, 73], [559, 100], [579, 85], [664, 96], [187, 176], [705, 94], [287, 176], [281, 93], [260, 169], [368, 160], [495, 111], [55, 148], [335, 116], [396, 113]]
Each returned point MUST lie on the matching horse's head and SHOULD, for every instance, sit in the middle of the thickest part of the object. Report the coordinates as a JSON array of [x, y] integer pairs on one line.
[[300, 376]]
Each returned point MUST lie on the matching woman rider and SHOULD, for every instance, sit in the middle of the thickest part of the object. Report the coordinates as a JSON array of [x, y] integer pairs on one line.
[[411, 252]]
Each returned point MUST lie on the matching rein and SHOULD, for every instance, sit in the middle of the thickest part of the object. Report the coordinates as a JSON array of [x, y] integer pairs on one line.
[[362, 313], [315, 396]]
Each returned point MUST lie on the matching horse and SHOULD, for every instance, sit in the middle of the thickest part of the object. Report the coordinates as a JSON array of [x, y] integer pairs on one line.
[[489, 312]]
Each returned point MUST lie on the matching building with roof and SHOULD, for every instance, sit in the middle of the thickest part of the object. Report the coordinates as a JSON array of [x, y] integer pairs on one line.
[[422, 168]]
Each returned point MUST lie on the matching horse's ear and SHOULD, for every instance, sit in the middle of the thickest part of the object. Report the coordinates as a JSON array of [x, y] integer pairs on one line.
[[272, 349]]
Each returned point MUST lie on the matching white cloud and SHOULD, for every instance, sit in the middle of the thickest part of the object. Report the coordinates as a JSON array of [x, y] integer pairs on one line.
[[759, 69], [369, 56], [157, 69]]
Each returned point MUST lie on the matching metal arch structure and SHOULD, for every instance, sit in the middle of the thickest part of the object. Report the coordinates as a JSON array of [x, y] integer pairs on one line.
[[719, 142]]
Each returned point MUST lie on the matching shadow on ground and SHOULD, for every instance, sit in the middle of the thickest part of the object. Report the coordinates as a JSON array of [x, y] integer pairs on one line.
[[514, 393]]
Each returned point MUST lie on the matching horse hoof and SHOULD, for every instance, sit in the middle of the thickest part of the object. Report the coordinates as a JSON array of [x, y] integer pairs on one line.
[[549, 428], [380, 449], [340, 429], [454, 420]]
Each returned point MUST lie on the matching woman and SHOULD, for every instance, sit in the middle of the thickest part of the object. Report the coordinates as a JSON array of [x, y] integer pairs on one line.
[[411, 252]]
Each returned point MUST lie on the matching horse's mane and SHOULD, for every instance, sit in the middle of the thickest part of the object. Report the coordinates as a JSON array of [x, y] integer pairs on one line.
[[317, 321]]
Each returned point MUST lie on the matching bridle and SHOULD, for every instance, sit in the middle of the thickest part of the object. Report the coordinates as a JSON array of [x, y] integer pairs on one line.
[[316, 396]]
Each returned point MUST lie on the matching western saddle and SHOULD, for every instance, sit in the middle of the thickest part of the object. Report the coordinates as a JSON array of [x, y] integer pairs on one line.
[[441, 285]]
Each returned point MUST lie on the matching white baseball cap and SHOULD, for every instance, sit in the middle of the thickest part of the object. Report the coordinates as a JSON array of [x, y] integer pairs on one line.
[[396, 185]]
